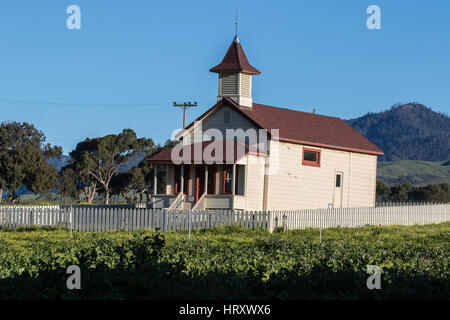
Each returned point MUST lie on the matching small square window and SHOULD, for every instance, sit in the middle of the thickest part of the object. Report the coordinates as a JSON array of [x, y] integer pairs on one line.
[[226, 117], [311, 157]]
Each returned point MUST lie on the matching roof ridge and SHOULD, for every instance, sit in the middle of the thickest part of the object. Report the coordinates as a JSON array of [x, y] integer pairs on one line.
[[284, 108]]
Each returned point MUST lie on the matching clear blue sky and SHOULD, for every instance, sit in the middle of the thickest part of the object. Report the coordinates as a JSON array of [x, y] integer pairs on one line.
[[312, 54]]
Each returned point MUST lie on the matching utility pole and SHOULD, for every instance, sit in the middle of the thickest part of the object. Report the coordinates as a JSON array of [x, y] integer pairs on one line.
[[185, 106]]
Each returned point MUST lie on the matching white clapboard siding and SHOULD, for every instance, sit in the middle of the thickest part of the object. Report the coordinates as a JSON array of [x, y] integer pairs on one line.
[[294, 185]]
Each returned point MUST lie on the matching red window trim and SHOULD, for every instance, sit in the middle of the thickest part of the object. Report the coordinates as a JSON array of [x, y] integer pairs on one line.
[[311, 163], [224, 175], [197, 187]]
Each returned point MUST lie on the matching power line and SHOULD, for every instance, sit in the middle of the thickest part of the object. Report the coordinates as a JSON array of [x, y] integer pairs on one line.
[[84, 104]]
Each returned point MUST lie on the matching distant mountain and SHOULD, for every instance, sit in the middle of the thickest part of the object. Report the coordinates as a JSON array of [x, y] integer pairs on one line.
[[407, 132], [133, 162], [61, 162]]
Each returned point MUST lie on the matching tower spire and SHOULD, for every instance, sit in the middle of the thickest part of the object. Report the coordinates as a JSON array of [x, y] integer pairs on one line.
[[235, 74]]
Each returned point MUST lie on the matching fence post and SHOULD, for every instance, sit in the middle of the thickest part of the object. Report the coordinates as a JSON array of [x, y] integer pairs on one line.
[[284, 221], [189, 217], [320, 235], [208, 220], [253, 219], [164, 226], [71, 221]]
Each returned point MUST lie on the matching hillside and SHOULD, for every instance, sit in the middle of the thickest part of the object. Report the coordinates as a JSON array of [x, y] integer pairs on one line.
[[418, 173], [61, 162], [407, 132]]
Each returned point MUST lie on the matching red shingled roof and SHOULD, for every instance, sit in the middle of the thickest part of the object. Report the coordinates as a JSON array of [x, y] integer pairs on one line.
[[303, 127], [309, 128], [235, 60], [238, 151]]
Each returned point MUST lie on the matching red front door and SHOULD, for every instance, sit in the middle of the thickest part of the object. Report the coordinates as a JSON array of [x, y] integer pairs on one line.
[[176, 180], [227, 179], [212, 173], [187, 176], [199, 182]]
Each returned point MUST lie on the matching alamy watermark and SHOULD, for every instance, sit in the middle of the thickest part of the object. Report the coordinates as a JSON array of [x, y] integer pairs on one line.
[[213, 146], [374, 20], [74, 20], [374, 281], [74, 280]]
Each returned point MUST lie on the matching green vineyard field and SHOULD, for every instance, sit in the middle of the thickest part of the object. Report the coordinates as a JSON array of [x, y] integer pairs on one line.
[[228, 263]]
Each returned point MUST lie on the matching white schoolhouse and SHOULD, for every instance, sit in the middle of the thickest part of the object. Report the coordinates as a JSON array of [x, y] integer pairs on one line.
[[304, 161]]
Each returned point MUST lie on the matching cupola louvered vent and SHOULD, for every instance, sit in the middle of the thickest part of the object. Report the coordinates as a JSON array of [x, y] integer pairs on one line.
[[235, 76], [229, 84], [246, 85]]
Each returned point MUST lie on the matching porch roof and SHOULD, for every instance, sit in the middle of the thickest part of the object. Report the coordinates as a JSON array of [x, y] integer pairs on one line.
[[206, 152]]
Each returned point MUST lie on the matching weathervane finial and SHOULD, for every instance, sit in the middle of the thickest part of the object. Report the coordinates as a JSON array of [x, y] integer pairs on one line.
[[237, 22]]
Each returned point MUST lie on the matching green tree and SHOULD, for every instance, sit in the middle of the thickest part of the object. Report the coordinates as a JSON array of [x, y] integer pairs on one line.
[[133, 184], [400, 193], [101, 158], [84, 181], [24, 159], [67, 183], [431, 193], [382, 191]]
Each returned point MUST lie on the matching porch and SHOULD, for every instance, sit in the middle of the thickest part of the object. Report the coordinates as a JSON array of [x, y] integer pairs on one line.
[[199, 186]]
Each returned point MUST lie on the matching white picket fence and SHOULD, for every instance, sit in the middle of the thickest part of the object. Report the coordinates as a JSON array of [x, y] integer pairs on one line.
[[113, 218], [15, 216], [405, 215]]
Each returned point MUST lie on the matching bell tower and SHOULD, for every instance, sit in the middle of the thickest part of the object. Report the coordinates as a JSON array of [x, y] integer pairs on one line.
[[235, 76]]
